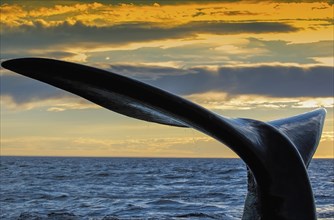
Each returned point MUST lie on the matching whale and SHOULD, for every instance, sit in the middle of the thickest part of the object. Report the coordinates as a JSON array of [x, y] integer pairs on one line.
[[276, 153]]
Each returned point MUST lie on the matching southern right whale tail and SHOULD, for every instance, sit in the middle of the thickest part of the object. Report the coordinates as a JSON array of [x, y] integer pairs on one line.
[[276, 152], [304, 131]]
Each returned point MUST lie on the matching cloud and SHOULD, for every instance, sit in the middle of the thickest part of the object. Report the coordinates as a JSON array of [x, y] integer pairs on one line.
[[238, 84], [329, 2], [171, 146], [21, 93], [106, 13], [284, 51], [64, 9], [52, 104], [327, 136], [22, 89], [78, 28], [229, 51], [315, 103], [189, 54], [152, 143], [224, 101], [12, 15], [37, 36], [275, 81], [149, 73], [238, 13]]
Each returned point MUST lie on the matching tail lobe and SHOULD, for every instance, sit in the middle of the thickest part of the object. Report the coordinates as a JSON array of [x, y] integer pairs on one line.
[[304, 131]]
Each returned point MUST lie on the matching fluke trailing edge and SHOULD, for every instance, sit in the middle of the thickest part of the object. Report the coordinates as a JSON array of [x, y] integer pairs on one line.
[[276, 152]]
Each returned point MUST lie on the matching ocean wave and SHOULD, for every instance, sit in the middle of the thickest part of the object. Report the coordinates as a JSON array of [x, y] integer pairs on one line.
[[198, 215], [71, 216], [127, 188], [49, 216], [164, 202]]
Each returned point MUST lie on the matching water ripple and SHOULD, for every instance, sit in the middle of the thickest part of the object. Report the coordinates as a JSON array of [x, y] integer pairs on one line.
[[136, 188]]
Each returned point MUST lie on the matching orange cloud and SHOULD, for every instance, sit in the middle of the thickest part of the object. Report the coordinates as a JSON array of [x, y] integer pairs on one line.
[[98, 14]]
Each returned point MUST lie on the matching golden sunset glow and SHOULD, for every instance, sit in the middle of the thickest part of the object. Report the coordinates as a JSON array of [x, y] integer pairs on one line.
[[102, 14], [263, 60]]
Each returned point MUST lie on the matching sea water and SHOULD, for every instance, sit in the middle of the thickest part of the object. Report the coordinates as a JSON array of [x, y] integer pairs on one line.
[[136, 188]]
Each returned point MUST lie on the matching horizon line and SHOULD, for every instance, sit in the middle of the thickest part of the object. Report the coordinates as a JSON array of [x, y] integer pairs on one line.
[[134, 157]]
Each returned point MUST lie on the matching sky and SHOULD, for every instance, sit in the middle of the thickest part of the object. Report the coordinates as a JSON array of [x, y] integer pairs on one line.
[[253, 59]]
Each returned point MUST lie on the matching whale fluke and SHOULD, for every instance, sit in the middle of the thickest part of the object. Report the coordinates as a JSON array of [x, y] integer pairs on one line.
[[276, 152], [304, 131]]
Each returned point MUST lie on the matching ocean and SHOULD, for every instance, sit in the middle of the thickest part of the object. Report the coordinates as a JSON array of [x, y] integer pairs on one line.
[[136, 188]]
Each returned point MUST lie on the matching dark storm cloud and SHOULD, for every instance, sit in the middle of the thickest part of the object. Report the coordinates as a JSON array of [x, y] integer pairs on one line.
[[236, 28], [24, 90], [280, 81], [40, 37], [274, 81]]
